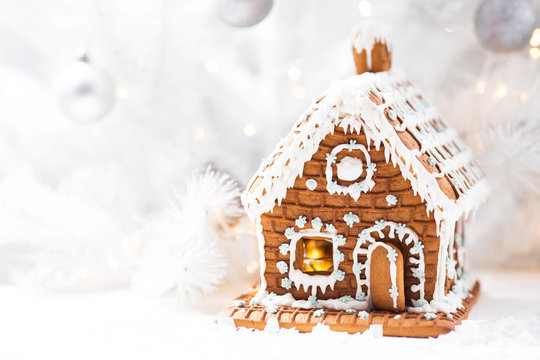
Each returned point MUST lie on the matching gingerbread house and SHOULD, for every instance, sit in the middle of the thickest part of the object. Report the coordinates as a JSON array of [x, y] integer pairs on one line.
[[360, 210]]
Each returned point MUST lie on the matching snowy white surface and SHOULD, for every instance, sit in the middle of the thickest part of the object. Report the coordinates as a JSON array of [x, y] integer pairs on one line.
[[119, 325]]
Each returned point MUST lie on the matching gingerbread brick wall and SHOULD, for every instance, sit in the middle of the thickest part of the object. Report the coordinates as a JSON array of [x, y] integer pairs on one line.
[[329, 208]]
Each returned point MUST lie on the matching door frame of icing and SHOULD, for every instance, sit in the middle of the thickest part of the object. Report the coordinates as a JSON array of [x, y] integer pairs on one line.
[[398, 232]]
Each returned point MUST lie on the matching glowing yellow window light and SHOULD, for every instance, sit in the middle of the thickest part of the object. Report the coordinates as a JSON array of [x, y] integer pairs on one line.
[[318, 255]]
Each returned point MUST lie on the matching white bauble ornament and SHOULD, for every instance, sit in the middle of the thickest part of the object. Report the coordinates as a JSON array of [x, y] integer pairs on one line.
[[243, 13], [349, 168], [84, 92], [505, 25]]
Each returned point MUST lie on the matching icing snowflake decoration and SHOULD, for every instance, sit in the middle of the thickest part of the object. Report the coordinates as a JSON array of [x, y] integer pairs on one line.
[[391, 200], [301, 221], [363, 314], [312, 300], [286, 283], [289, 232], [318, 313], [391, 255], [350, 219], [349, 169], [284, 249], [330, 228], [282, 267], [316, 223], [393, 292]]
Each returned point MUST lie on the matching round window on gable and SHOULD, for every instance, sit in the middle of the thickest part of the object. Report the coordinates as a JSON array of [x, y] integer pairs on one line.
[[349, 168]]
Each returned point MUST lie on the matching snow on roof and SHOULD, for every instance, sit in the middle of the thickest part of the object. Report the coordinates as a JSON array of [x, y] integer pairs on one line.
[[393, 113]]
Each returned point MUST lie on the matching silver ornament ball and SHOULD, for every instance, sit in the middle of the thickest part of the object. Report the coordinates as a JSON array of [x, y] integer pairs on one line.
[[243, 13], [84, 92], [505, 25]]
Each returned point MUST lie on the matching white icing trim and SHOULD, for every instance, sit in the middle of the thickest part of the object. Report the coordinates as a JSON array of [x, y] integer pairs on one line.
[[405, 235], [354, 190]]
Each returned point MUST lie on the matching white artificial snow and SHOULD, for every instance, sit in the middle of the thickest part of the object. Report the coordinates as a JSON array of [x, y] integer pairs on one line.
[[504, 324]]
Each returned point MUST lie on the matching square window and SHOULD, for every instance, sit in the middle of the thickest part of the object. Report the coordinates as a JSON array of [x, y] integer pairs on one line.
[[317, 255]]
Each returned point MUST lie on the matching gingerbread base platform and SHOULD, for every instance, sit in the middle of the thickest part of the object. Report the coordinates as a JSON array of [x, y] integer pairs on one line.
[[393, 324]]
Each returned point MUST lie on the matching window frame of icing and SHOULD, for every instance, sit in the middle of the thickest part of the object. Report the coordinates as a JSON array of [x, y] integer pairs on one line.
[[314, 280], [355, 189]]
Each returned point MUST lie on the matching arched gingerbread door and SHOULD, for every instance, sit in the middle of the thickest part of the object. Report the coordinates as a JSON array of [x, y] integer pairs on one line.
[[386, 283]]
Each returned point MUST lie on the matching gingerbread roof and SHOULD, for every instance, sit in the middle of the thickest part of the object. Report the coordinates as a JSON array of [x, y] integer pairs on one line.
[[392, 113]]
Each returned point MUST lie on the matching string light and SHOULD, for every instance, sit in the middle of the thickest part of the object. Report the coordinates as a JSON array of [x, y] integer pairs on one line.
[[122, 92], [364, 7], [535, 38], [198, 132], [480, 87], [294, 73], [501, 91], [212, 65], [534, 53], [250, 130]]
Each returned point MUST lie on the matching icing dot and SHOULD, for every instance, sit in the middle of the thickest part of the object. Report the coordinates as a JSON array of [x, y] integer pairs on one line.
[[313, 301], [430, 316], [432, 161], [351, 311], [311, 184], [345, 298], [239, 303], [284, 248], [397, 317], [392, 114], [271, 309], [318, 313], [391, 200]]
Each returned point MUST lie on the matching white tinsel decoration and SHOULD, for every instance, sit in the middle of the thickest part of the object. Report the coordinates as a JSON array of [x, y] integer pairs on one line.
[[181, 252]]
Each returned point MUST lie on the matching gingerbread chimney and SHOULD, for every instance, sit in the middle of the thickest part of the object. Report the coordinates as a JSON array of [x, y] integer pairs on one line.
[[371, 48]]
